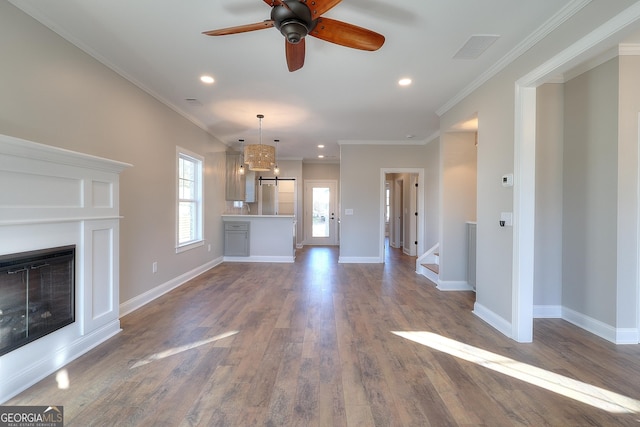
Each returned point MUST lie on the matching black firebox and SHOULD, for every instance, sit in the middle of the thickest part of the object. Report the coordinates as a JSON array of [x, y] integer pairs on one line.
[[37, 295]]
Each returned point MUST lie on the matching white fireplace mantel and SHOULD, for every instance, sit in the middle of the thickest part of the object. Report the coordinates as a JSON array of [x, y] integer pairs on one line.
[[52, 197]]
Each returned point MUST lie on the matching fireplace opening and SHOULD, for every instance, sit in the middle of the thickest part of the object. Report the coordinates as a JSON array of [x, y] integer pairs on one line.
[[37, 295]]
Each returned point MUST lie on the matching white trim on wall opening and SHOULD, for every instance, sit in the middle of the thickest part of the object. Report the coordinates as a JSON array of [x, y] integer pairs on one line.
[[524, 160], [419, 206]]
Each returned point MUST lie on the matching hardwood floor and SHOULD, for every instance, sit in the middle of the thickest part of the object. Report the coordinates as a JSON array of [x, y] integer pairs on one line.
[[317, 343]]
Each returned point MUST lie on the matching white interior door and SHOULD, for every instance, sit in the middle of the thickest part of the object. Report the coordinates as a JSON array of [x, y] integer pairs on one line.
[[397, 214], [320, 212]]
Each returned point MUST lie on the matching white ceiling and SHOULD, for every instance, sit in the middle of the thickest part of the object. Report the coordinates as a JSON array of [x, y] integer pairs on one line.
[[339, 95]]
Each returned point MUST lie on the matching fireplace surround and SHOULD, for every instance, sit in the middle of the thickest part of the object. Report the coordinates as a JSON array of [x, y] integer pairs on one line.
[[56, 198]]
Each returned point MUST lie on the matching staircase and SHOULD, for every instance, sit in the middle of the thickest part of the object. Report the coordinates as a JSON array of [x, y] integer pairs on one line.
[[428, 264], [436, 264]]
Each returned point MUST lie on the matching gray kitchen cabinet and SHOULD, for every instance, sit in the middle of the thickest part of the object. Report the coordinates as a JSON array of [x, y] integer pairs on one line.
[[235, 186], [236, 238]]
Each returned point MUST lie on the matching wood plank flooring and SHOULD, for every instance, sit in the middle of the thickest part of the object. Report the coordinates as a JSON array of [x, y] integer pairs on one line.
[[317, 343]]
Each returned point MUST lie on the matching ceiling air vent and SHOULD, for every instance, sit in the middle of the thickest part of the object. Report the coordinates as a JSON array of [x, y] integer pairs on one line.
[[475, 46], [193, 102]]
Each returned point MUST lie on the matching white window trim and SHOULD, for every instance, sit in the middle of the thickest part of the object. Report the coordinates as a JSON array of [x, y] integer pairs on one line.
[[199, 241]]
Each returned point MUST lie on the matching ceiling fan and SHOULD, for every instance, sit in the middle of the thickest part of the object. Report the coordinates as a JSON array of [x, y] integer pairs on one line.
[[298, 18]]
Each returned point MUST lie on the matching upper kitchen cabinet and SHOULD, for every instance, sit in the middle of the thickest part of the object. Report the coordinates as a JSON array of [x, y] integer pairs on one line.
[[235, 183]]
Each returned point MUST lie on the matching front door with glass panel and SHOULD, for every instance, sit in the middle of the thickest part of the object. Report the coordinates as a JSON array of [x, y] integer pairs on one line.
[[320, 214]]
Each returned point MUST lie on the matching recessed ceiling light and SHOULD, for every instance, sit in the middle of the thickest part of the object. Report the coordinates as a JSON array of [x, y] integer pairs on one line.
[[321, 156], [320, 145], [206, 79], [404, 82]]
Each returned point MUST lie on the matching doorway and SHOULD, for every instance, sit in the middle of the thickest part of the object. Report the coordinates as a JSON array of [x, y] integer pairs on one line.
[[524, 245], [396, 196], [320, 219], [406, 216]]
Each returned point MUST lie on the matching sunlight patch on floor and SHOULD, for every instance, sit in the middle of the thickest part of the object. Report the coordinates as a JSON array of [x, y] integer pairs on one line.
[[568, 387], [176, 350], [62, 378]]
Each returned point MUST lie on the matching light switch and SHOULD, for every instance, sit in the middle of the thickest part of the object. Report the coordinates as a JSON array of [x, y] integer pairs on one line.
[[506, 219], [507, 180]]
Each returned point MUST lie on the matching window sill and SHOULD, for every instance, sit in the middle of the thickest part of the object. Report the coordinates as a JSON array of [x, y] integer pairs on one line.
[[189, 246]]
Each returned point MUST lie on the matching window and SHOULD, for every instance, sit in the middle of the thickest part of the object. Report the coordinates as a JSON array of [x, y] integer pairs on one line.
[[189, 200]]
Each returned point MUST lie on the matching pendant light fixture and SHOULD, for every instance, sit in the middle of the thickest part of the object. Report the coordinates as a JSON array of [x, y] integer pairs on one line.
[[241, 168], [259, 157], [276, 169]]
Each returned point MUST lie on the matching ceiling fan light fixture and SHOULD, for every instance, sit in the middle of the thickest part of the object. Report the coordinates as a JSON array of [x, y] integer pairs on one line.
[[295, 19], [294, 31]]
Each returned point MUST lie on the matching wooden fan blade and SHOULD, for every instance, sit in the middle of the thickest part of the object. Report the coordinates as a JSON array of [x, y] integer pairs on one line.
[[348, 35], [273, 3], [240, 29], [319, 7], [295, 55]]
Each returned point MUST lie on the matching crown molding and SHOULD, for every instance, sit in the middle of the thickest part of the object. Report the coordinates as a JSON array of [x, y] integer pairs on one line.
[[629, 49], [381, 142]]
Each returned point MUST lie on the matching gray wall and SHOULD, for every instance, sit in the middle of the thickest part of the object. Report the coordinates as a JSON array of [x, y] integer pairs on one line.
[[548, 225], [55, 94], [590, 201], [330, 171], [628, 301], [459, 172], [360, 181], [587, 195], [432, 194]]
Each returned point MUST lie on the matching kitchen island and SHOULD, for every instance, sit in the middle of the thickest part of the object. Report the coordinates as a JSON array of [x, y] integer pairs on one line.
[[272, 238]]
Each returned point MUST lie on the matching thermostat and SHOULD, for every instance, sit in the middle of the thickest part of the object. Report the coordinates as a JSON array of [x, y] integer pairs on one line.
[[507, 180]]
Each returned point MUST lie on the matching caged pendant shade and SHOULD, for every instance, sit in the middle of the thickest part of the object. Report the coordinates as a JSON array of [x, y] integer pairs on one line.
[[260, 157]]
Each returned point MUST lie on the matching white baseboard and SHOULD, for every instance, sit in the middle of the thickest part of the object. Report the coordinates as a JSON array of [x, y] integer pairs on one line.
[[547, 311], [279, 259], [358, 260], [145, 298], [493, 319], [453, 285], [627, 336], [601, 329], [596, 327]]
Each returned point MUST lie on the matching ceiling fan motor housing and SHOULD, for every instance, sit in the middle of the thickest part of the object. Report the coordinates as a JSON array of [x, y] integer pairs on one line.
[[293, 20]]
